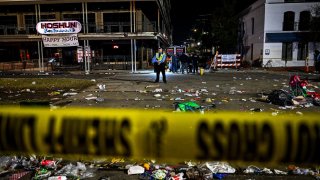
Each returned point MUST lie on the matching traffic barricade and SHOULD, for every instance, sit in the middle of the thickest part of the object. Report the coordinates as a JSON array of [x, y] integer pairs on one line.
[[228, 61]]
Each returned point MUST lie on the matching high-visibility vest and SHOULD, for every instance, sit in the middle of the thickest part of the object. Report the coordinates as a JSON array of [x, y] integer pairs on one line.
[[159, 58]]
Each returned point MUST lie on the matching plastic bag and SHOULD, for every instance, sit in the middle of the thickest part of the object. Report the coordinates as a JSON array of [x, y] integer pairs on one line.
[[187, 106], [220, 167]]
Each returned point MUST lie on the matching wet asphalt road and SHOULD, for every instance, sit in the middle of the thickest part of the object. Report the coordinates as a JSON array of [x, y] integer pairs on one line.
[[227, 89]]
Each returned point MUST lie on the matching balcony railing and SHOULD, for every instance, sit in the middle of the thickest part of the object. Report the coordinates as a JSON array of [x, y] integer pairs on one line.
[[107, 27], [8, 30], [114, 27]]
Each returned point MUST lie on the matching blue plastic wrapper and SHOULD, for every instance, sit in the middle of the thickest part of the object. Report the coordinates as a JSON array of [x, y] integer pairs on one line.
[[219, 176]]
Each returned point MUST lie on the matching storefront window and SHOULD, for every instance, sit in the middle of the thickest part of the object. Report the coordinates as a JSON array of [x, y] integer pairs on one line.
[[287, 51], [302, 51]]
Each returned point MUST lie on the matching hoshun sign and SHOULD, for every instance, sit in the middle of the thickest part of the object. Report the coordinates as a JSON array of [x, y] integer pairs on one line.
[[59, 33], [59, 27]]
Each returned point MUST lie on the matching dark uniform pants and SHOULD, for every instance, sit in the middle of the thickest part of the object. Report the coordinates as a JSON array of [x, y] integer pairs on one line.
[[160, 68]]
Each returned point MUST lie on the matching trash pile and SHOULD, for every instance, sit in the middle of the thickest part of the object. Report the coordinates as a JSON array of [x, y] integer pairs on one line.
[[12, 167], [213, 170], [300, 93]]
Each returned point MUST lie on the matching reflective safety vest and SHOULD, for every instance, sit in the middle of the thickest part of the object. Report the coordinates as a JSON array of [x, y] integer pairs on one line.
[[159, 58]]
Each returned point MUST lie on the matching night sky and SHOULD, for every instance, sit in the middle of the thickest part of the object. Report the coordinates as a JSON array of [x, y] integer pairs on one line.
[[185, 13]]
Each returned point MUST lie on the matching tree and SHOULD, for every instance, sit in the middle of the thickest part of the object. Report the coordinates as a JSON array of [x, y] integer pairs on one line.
[[202, 33], [224, 27], [315, 22]]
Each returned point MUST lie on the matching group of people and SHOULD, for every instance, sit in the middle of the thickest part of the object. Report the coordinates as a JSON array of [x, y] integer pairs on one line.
[[188, 63]]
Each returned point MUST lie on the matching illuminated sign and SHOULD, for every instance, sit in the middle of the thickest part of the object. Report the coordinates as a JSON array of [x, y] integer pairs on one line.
[[179, 51], [170, 51], [59, 27]]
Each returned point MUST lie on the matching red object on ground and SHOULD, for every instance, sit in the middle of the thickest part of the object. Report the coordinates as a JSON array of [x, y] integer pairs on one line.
[[314, 95], [294, 81], [47, 163]]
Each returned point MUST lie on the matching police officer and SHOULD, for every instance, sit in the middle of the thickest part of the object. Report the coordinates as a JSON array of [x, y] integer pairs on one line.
[[159, 62]]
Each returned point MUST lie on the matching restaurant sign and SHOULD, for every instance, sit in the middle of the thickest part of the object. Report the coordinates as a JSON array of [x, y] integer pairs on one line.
[[59, 27]]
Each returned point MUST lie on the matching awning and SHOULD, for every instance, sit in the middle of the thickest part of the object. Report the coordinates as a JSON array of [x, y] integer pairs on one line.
[[289, 37]]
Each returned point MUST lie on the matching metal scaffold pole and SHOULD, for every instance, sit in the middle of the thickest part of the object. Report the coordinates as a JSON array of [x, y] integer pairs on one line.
[[84, 41], [131, 30], [88, 47], [41, 43], [42, 64], [134, 41], [39, 56], [39, 49]]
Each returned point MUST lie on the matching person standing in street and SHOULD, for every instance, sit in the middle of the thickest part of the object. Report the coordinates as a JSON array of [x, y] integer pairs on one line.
[[169, 63], [195, 62], [317, 60], [184, 62], [159, 62], [174, 61], [190, 67]]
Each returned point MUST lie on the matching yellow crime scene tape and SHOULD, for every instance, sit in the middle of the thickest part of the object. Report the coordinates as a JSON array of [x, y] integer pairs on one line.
[[229, 136]]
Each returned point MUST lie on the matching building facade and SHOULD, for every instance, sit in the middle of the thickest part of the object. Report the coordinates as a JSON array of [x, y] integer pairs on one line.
[[276, 33], [120, 33]]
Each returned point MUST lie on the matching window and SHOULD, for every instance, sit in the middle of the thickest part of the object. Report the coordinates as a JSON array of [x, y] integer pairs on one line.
[[304, 22], [30, 23], [8, 25], [115, 28], [302, 51], [252, 25], [288, 21], [295, 1], [48, 17], [287, 51], [116, 22], [30, 20], [116, 17], [79, 17], [252, 52], [242, 28], [73, 17]]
